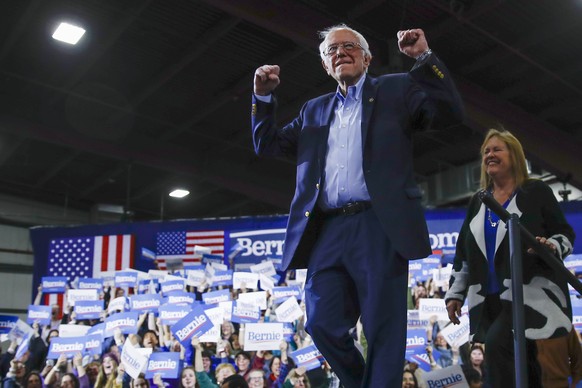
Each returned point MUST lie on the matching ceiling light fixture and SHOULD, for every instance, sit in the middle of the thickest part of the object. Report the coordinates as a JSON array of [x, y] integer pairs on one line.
[[179, 193], [68, 33]]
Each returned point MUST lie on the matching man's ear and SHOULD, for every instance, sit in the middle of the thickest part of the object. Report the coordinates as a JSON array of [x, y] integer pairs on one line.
[[325, 67], [367, 60]]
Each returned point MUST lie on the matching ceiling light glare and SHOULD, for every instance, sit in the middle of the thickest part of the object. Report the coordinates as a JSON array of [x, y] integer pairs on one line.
[[68, 33], [179, 193]]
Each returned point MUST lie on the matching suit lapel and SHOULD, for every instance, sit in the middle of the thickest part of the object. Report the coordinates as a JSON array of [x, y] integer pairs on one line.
[[368, 103]]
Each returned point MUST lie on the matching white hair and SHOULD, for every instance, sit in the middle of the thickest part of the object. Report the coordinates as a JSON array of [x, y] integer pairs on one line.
[[323, 34]]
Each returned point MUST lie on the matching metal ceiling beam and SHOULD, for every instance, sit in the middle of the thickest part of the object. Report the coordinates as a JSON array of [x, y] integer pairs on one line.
[[175, 159], [56, 168]]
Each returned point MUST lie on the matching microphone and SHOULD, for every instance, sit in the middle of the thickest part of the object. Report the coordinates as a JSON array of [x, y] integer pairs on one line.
[[486, 197]]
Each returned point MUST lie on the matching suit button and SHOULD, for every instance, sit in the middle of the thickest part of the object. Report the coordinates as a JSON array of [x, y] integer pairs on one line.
[[317, 186], [307, 214]]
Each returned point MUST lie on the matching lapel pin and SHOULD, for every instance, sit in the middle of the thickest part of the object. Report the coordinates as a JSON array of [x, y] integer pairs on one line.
[[371, 99]]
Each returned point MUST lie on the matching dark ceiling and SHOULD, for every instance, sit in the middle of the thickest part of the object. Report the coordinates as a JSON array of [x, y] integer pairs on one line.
[[157, 93]]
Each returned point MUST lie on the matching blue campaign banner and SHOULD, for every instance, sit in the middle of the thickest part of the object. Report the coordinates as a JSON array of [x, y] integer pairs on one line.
[[443, 230], [40, 314], [125, 279], [171, 286], [195, 324], [91, 284], [416, 348], [166, 364], [421, 270], [308, 357], [194, 267], [23, 347], [253, 246], [67, 346], [54, 284], [574, 263], [126, 322], [148, 254], [241, 314], [171, 313], [146, 286], [214, 297], [181, 298], [88, 309], [93, 344], [288, 331], [145, 303], [97, 329], [207, 258], [576, 313], [7, 322], [222, 278], [285, 292]]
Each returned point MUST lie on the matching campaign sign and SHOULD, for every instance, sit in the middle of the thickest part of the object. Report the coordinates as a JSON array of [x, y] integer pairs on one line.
[[23, 347], [577, 313], [67, 346], [73, 296], [125, 278], [207, 258], [93, 344], [194, 267], [288, 331], [285, 292], [263, 336], [7, 322], [171, 286], [266, 268], [54, 284], [117, 304], [126, 322], [171, 313], [216, 296], [308, 357], [181, 298], [216, 315], [416, 348], [91, 284], [221, 278], [147, 286], [258, 245], [195, 278], [451, 376], [289, 311], [97, 329], [267, 283], [457, 335], [428, 307], [244, 279], [133, 360], [258, 297], [145, 303], [421, 270], [195, 324], [19, 331], [40, 314], [413, 320], [226, 309], [88, 309], [72, 330], [245, 312], [166, 364]]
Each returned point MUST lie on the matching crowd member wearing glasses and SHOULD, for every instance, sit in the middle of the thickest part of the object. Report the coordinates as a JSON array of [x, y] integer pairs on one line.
[[356, 217]]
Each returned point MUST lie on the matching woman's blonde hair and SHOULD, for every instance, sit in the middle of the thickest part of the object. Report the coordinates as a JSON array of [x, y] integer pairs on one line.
[[293, 375], [516, 155]]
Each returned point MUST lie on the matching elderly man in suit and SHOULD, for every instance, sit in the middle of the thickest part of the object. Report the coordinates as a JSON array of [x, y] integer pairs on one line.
[[356, 216]]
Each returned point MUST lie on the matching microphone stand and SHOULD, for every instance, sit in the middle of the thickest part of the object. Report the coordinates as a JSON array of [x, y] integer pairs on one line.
[[516, 232]]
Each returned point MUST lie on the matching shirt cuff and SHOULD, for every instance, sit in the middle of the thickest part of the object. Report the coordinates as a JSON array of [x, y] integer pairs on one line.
[[268, 98]]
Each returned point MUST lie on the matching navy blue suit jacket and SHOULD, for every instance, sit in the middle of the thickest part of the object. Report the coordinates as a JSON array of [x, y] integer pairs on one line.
[[394, 106]]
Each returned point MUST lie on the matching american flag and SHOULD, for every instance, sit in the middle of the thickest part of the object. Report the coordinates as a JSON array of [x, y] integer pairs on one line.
[[180, 245], [87, 257]]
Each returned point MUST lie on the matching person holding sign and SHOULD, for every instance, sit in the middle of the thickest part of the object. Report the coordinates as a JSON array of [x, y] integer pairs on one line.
[[481, 271], [356, 217]]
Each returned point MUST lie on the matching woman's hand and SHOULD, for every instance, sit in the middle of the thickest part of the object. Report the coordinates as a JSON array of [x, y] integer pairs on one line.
[[454, 310]]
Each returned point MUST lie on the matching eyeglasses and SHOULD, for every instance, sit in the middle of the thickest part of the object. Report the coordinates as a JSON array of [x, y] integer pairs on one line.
[[347, 46]]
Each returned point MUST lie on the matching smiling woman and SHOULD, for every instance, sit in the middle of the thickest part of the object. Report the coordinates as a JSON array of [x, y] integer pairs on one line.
[[481, 271]]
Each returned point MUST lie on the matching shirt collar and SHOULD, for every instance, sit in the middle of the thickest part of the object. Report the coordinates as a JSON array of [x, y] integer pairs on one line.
[[354, 92]]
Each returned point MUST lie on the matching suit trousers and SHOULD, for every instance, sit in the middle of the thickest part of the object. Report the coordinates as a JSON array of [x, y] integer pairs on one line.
[[354, 270]]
